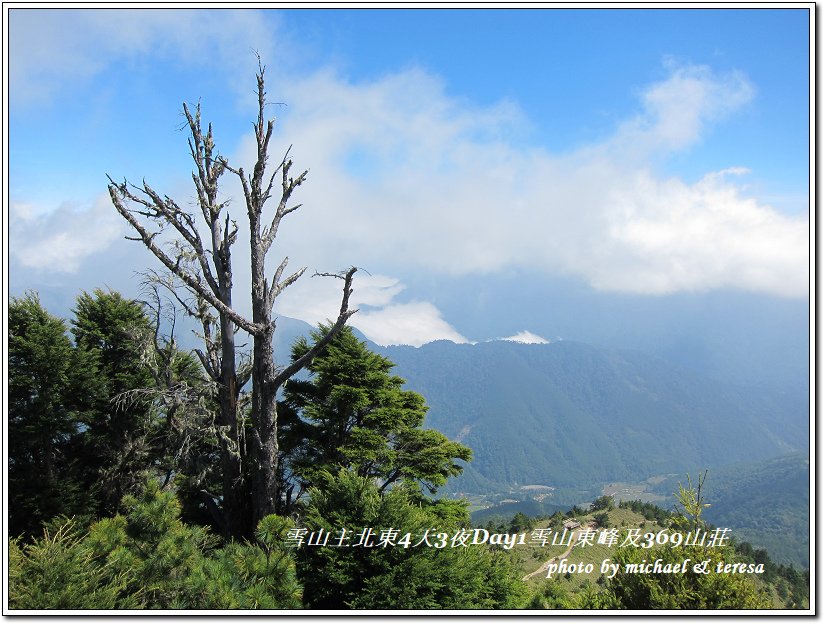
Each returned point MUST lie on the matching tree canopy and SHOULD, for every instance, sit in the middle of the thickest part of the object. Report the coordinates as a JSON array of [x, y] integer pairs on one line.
[[47, 389], [353, 413], [398, 575]]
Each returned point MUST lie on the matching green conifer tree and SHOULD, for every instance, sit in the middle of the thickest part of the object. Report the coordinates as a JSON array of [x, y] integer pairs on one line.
[[115, 335], [353, 413], [399, 574], [46, 384], [147, 558]]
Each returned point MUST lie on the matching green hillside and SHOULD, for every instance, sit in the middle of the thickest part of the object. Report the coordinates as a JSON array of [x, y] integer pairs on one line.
[[768, 505], [783, 587]]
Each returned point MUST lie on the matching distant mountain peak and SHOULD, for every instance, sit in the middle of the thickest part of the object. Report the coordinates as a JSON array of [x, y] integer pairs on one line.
[[526, 337]]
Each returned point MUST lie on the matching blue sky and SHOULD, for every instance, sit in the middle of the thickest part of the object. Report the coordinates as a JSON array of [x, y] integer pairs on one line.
[[642, 153]]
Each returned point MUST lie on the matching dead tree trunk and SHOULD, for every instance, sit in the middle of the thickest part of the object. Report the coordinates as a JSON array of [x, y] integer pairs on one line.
[[206, 271]]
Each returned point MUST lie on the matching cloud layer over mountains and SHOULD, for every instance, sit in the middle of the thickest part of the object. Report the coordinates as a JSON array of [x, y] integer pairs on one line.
[[406, 178]]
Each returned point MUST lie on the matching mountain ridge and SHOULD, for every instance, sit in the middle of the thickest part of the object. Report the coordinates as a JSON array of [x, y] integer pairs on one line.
[[573, 404], [574, 417], [580, 402]]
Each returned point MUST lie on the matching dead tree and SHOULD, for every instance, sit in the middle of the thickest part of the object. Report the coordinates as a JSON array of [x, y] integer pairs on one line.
[[203, 265]]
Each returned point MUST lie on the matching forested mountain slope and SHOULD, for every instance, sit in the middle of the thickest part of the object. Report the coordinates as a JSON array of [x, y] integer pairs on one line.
[[575, 416], [768, 503], [568, 413]]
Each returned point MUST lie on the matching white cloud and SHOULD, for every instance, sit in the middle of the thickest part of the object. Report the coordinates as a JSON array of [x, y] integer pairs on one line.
[[677, 110], [677, 237], [526, 337], [403, 176], [61, 240], [412, 324], [383, 321], [316, 299], [55, 49]]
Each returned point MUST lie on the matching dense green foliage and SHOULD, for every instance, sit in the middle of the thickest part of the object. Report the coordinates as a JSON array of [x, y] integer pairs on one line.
[[47, 389], [602, 503], [149, 559], [353, 413], [792, 586], [552, 595], [113, 463], [648, 510], [678, 591], [82, 423], [396, 577], [116, 335], [89, 418], [59, 571]]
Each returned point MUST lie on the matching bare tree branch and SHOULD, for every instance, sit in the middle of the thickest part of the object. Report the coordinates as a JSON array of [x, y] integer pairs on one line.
[[189, 279], [203, 265], [343, 315]]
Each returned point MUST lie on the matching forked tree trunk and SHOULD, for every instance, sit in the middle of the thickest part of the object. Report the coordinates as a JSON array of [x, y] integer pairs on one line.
[[206, 271]]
